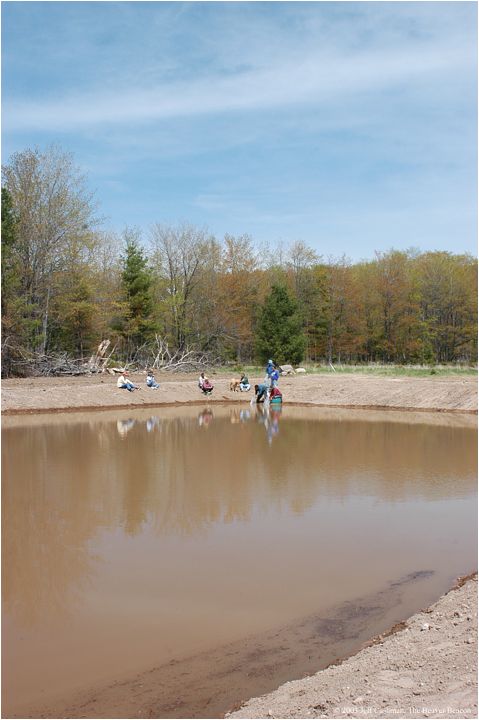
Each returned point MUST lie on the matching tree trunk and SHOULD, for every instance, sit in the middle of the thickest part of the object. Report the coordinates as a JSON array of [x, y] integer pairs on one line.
[[45, 324]]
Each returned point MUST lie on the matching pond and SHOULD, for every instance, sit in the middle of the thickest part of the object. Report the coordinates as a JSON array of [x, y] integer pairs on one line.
[[202, 555]]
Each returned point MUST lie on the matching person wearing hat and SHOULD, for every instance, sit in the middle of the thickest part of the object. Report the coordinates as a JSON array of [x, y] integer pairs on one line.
[[124, 382]]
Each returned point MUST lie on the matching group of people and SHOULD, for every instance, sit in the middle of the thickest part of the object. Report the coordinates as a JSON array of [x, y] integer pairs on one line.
[[125, 383], [267, 390]]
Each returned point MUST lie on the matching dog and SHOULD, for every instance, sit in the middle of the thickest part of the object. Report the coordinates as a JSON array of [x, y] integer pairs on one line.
[[234, 385]]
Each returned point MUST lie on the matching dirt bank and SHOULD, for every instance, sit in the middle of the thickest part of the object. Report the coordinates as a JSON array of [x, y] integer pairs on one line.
[[426, 669], [457, 394]]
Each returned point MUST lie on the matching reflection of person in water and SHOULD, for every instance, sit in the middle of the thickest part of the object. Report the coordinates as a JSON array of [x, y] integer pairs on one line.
[[245, 415], [151, 423], [270, 419], [262, 414], [274, 424], [205, 417], [124, 426]]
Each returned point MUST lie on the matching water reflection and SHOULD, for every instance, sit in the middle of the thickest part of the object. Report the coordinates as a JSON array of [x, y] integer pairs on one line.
[[205, 417], [111, 515], [152, 423], [269, 417], [124, 426], [62, 485], [264, 414]]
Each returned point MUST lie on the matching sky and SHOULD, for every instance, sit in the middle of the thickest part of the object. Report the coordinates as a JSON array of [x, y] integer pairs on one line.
[[349, 126]]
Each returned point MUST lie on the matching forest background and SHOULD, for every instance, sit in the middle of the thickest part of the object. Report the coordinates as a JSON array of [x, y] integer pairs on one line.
[[67, 284]]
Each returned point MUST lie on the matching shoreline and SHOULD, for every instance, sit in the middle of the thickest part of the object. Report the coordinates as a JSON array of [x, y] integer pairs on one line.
[[425, 666], [402, 666], [199, 403], [353, 392]]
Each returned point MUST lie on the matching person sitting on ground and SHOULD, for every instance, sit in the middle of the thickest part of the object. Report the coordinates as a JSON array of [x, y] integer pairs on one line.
[[204, 384], [125, 383], [261, 392], [150, 380], [244, 383]]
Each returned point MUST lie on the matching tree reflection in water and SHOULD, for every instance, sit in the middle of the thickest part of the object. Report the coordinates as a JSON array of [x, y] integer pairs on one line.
[[67, 485]]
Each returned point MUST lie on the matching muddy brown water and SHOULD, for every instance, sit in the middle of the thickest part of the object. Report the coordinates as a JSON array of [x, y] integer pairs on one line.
[[175, 563]]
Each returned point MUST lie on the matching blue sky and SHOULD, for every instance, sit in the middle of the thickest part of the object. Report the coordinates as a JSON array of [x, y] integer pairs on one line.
[[350, 126]]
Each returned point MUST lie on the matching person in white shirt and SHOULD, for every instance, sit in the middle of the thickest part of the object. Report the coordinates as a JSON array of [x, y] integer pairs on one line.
[[124, 382]]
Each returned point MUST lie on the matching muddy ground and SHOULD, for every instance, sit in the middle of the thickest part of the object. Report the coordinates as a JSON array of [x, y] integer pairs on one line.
[[354, 391]]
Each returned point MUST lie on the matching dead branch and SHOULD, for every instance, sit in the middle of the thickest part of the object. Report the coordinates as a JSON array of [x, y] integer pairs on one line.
[[161, 357]]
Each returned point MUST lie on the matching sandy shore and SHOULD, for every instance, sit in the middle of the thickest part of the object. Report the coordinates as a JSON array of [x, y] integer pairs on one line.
[[453, 394], [426, 669]]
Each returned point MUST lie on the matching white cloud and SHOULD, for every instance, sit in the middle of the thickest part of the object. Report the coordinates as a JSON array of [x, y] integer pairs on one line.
[[312, 79]]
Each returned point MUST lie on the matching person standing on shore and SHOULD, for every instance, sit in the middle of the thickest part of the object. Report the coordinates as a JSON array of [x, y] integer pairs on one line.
[[274, 377], [269, 369]]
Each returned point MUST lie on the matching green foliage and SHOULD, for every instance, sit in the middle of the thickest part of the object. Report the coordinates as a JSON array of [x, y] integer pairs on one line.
[[279, 333], [9, 221], [53, 232], [10, 268], [66, 286], [138, 326], [75, 316]]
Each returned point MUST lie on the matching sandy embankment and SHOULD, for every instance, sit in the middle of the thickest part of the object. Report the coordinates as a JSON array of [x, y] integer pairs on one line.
[[427, 669], [456, 394]]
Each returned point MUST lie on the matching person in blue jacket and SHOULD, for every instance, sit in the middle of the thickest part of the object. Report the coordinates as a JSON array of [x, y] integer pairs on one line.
[[274, 377], [269, 368]]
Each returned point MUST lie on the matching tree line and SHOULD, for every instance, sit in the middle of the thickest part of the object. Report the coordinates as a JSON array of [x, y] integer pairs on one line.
[[67, 284]]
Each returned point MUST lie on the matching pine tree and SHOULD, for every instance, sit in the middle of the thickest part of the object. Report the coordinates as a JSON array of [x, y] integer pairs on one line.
[[136, 281], [279, 333], [10, 273]]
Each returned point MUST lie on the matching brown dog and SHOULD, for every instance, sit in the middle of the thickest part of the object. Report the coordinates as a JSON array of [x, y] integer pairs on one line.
[[234, 385]]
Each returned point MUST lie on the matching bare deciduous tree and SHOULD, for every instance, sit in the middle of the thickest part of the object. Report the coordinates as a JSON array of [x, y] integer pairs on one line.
[[179, 256], [55, 223]]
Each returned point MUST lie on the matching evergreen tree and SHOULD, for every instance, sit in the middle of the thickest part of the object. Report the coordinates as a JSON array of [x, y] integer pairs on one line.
[[136, 280], [10, 273], [75, 316], [279, 333]]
